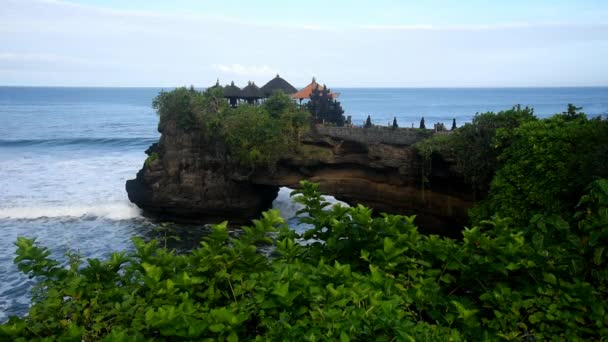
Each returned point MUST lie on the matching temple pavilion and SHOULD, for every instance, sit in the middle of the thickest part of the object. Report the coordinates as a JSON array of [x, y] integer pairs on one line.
[[232, 93], [253, 94], [278, 83]]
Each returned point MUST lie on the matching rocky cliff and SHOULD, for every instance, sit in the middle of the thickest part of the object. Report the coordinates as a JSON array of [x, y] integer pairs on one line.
[[194, 179]]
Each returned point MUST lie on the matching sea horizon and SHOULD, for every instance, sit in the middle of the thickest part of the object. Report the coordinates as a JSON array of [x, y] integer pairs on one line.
[[299, 87]]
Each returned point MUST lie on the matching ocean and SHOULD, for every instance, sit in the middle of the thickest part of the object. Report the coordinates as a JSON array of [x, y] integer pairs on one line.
[[65, 154]]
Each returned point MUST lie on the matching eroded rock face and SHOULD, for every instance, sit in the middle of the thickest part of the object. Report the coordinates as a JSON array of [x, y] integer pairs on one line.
[[384, 177], [196, 180]]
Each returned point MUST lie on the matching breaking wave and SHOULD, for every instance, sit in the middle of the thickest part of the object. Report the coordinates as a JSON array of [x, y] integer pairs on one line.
[[111, 211], [106, 142]]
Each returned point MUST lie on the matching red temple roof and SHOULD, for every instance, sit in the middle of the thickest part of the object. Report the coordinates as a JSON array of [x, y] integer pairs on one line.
[[306, 91]]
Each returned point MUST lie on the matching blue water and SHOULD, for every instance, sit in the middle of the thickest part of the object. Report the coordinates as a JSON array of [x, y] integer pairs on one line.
[[65, 154], [442, 105]]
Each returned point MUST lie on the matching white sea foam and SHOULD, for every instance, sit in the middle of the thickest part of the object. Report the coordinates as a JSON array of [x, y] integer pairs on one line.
[[285, 205], [288, 207], [111, 211]]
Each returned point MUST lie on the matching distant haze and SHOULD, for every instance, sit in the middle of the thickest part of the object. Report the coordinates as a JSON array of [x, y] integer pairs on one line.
[[381, 43]]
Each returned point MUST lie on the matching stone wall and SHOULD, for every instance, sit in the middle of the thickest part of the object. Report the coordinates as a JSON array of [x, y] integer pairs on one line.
[[376, 134]]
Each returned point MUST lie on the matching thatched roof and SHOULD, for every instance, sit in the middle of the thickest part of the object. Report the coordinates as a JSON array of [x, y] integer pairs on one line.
[[232, 91], [251, 91], [278, 83], [306, 91]]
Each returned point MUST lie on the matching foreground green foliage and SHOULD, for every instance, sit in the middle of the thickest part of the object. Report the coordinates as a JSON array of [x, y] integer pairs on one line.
[[546, 166], [521, 166], [357, 277], [256, 135]]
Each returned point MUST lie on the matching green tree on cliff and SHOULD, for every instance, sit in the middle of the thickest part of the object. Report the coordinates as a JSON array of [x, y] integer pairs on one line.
[[278, 103], [324, 108], [190, 108], [178, 105], [422, 125], [395, 125]]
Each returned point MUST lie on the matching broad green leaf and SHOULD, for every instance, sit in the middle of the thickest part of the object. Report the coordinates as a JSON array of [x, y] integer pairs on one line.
[[281, 289]]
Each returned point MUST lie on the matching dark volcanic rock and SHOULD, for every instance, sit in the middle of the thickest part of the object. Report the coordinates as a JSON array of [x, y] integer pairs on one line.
[[387, 178], [194, 180]]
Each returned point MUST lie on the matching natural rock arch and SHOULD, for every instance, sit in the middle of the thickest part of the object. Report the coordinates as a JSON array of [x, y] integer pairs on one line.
[[197, 181]]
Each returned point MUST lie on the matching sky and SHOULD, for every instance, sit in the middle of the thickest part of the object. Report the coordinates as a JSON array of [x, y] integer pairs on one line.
[[356, 43]]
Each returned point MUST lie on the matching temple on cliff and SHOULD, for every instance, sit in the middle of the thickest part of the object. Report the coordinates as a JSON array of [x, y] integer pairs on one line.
[[252, 94]]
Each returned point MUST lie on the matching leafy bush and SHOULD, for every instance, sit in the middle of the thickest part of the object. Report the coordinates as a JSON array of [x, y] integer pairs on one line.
[[190, 108], [256, 137], [523, 166], [472, 146], [177, 105], [359, 277], [547, 165], [278, 103]]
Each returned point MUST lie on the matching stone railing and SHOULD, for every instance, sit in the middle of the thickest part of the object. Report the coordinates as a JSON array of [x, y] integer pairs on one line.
[[376, 134]]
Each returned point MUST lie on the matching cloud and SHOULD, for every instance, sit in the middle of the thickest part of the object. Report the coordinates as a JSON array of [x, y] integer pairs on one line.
[[40, 57], [53, 42], [246, 70], [480, 27], [399, 27]]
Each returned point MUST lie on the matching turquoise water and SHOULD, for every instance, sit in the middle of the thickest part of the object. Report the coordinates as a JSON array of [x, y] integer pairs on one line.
[[65, 154]]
